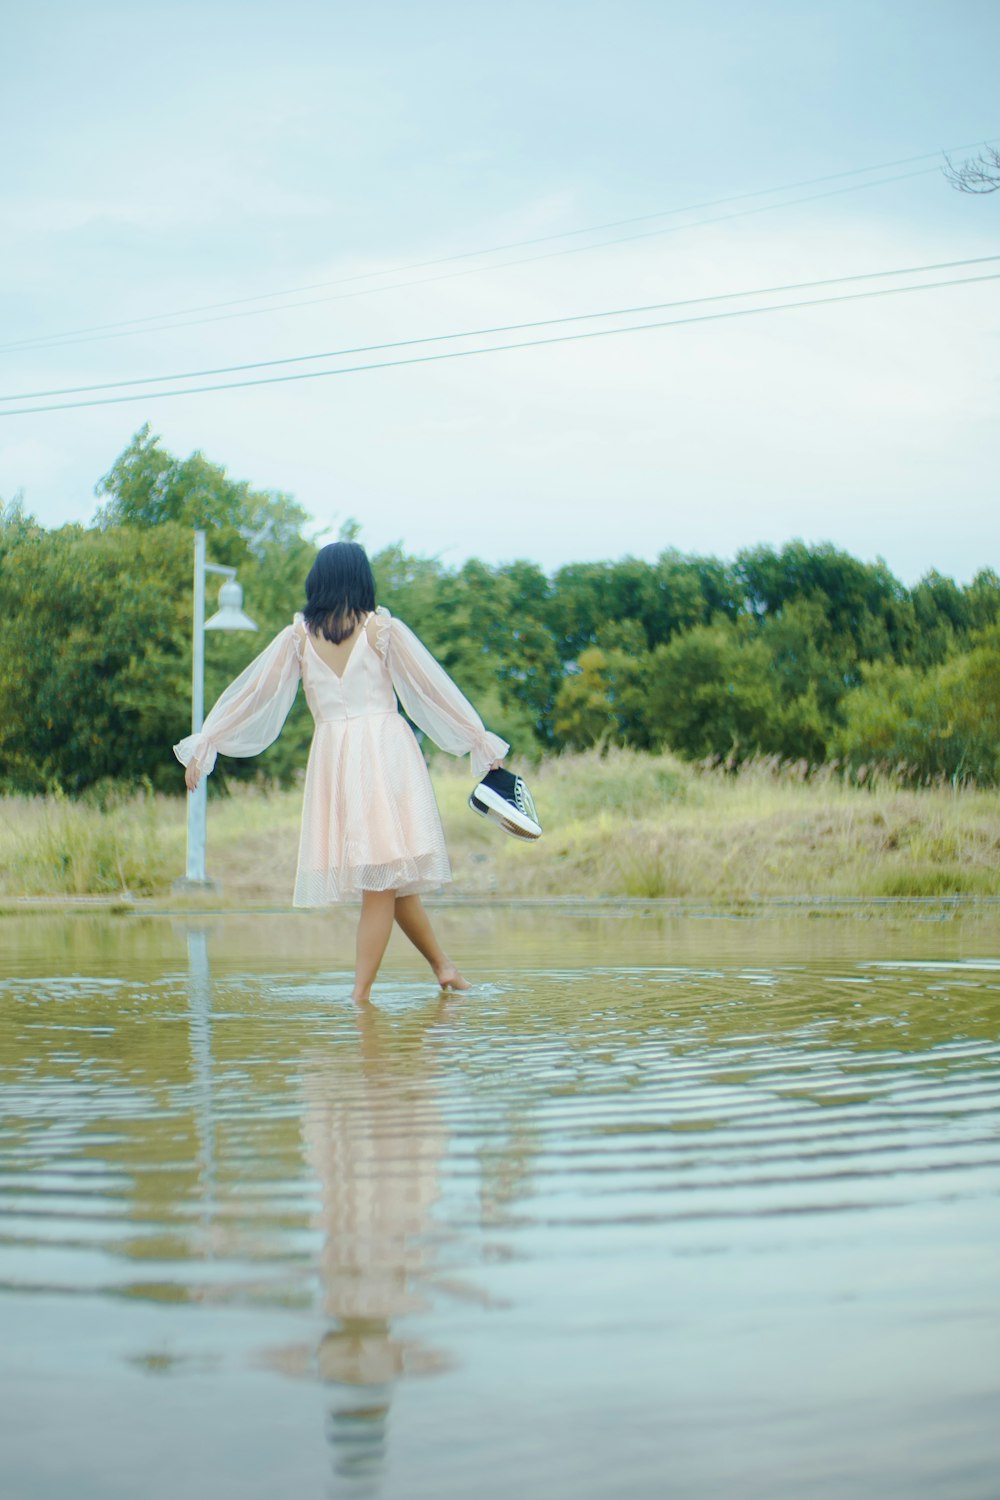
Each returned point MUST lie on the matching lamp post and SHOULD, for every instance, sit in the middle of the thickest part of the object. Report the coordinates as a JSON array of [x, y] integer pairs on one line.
[[229, 616]]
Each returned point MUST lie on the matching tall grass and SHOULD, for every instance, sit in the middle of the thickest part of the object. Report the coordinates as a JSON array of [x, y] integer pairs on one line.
[[616, 824], [52, 846], [644, 826]]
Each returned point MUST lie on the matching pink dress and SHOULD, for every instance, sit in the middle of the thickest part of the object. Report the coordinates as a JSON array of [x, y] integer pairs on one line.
[[369, 818]]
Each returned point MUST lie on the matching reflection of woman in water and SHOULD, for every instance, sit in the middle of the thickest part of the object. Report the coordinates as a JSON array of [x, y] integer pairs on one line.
[[374, 1137]]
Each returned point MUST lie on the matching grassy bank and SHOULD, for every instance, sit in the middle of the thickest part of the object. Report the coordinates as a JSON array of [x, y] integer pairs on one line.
[[619, 825]]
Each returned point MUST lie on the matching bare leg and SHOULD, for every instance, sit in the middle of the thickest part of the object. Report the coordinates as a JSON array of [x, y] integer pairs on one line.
[[377, 908], [415, 922]]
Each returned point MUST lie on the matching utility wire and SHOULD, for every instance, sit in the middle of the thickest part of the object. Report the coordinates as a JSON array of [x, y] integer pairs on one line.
[[564, 338], [129, 328], [374, 291], [420, 265], [469, 333]]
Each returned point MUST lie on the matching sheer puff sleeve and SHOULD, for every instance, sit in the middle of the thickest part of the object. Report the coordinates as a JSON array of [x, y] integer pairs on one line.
[[250, 713], [431, 699]]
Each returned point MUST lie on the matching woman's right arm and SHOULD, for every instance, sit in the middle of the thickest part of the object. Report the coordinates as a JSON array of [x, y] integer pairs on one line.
[[250, 712]]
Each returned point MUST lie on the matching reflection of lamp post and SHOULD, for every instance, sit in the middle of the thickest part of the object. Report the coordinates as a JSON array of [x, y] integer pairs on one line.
[[200, 997], [230, 616]]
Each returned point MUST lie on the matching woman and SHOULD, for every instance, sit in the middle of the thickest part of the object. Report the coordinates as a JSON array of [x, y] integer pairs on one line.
[[370, 824]]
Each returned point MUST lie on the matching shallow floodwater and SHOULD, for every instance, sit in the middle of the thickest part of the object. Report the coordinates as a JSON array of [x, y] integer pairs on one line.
[[665, 1207]]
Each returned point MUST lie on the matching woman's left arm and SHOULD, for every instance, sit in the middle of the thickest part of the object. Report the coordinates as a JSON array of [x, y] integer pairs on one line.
[[250, 712], [432, 700]]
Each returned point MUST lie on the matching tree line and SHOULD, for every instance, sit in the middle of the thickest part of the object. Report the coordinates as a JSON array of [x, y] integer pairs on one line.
[[803, 652]]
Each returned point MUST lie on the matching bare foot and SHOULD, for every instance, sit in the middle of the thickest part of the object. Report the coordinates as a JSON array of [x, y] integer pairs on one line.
[[449, 978]]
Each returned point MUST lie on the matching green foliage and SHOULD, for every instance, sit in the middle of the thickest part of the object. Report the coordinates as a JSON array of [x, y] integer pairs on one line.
[[257, 531], [93, 660], [15, 525], [944, 722], [583, 713], [605, 700], [802, 653], [147, 487], [711, 692], [95, 664], [671, 595], [863, 603], [487, 628]]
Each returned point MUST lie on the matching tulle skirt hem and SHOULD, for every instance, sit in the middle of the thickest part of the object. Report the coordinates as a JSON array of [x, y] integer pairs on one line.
[[407, 877], [369, 818]]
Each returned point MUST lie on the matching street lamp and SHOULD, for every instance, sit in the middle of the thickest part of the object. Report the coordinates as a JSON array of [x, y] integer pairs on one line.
[[229, 616]]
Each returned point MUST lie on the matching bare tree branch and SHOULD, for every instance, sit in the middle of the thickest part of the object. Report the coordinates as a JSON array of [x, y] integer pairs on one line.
[[977, 174]]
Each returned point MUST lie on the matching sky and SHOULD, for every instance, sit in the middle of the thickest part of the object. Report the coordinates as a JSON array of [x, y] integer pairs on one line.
[[322, 176]]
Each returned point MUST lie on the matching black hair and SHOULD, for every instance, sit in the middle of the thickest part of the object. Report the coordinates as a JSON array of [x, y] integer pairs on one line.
[[340, 590]]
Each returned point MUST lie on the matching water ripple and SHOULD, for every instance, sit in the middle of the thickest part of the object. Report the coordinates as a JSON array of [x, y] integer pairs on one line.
[[236, 1172]]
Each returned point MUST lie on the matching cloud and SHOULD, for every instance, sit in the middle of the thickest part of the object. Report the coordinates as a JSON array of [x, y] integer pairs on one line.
[[864, 423]]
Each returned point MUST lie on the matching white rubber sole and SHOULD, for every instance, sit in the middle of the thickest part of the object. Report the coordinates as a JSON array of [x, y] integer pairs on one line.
[[506, 813]]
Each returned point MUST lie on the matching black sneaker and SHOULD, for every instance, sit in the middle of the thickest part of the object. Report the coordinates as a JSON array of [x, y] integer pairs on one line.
[[504, 797]]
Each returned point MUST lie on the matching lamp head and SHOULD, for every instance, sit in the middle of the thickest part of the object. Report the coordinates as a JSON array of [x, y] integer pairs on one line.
[[230, 614]]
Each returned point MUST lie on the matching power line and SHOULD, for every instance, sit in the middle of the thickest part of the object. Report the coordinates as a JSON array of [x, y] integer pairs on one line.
[[130, 327], [374, 291], [468, 333], [565, 338], [420, 265]]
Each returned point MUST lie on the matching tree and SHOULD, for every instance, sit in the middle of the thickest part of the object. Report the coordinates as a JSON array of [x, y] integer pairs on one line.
[[862, 600], [977, 174], [258, 531], [583, 713], [685, 591], [521, 646], [409, 586], [796, 652], [487, 627], [605, 699], [711, 692], [147, 486], [93, 661], [808, 668], [15, 524], [941, 722]]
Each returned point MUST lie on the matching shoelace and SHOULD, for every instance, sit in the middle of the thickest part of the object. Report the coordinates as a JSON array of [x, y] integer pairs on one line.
[[523, 800]]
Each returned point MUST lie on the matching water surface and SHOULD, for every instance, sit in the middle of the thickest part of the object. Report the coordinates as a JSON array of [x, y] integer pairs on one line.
[[664, 1208]]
